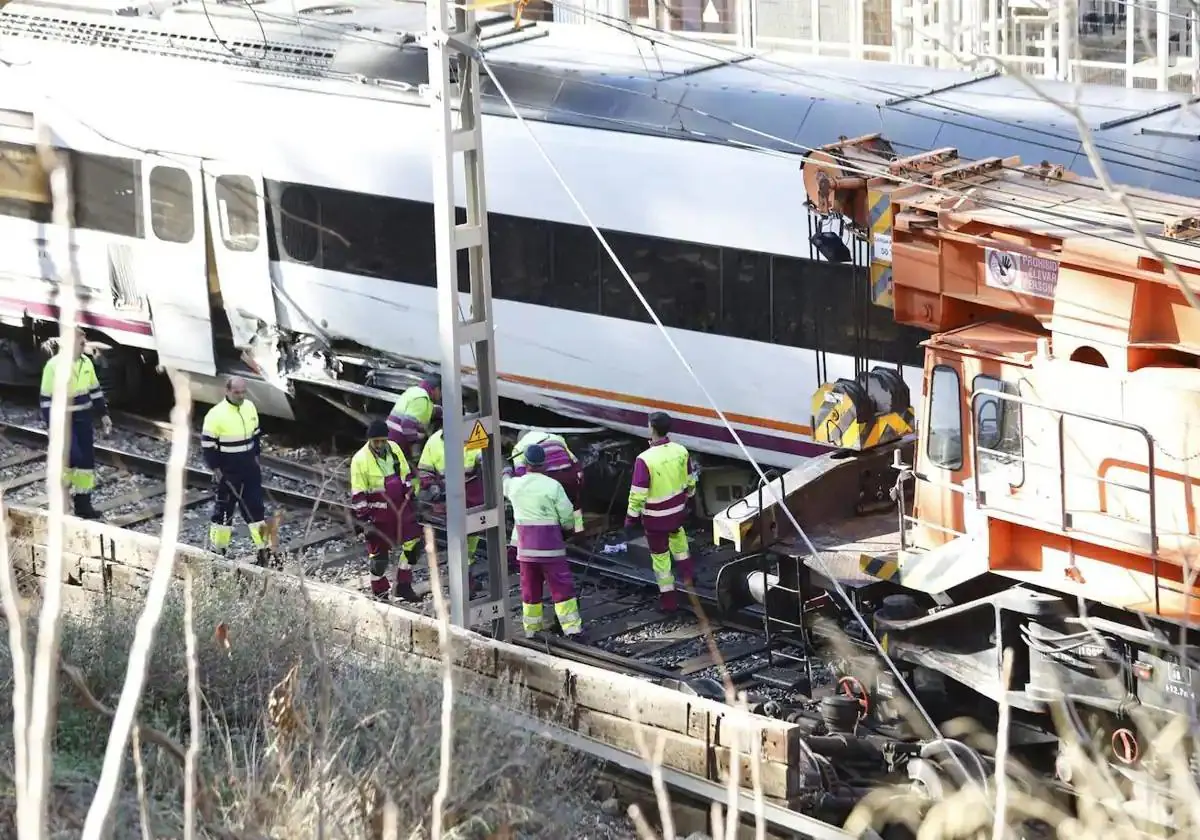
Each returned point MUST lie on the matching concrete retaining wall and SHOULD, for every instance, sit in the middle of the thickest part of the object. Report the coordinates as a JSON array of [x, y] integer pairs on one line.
[[102, 562]]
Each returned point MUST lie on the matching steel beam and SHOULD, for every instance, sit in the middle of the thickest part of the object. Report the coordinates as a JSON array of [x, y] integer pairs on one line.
[[452, 40]]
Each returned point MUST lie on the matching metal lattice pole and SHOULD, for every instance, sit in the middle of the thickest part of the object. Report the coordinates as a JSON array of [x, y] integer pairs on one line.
[[452, 44]]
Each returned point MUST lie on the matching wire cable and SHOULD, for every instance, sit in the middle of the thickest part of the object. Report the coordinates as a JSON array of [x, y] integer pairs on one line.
[[738, 60], [839, 588], [1047, 215]]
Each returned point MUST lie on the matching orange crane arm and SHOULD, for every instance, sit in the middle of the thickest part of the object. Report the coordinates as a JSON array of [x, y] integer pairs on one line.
[[993, 239]]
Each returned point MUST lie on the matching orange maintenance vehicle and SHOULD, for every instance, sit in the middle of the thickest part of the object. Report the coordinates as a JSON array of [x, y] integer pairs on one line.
[[1038, 497]]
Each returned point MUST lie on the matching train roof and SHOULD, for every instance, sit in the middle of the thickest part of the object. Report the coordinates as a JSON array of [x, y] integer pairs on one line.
[[648, 82]]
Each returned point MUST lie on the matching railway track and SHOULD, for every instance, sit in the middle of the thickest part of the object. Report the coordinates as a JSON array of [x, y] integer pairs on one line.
[[626, 630]]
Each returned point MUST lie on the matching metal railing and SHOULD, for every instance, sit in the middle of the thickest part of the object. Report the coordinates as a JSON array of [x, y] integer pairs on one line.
[[1064, 518], [908, 521]]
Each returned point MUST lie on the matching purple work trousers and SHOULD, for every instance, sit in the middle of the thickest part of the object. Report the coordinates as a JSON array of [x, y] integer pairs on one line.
[[659, 543], [556, 573]]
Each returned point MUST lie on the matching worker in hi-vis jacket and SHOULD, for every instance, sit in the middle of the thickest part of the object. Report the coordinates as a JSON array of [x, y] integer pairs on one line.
[[663, 484], [85, 402]]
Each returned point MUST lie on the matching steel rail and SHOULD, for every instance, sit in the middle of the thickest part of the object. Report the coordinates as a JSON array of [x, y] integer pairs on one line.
[[578, 556], [606, 660], [161, 430], [195, 476]]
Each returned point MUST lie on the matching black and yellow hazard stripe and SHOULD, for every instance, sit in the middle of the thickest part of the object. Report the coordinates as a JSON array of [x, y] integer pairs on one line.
[[836, 422], [884, 568]]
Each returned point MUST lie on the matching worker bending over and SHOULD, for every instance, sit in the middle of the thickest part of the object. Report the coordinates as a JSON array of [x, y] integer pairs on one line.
[[381, 496], [431, 478], [85, 400], [561, 465], [231, 441], [543, 513], [413, 414], [663, 483]]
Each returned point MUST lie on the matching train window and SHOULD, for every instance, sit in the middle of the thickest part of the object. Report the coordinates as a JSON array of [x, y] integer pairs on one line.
[[945, 444], [617, 300], [377, 236], [745, 295], [172, 217], [793, 317], [521, 251], [299, 224], [890, 342], [680, 280], [575, 284], [24, 184], [998, 431], [107, 193], [837, 298], [237, 209]]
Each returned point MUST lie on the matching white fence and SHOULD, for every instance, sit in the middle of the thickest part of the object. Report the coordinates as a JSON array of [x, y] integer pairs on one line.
[[1151, 44]]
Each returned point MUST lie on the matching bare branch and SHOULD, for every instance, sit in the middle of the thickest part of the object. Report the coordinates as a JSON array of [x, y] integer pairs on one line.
[[32, 813], [20, 660], [443, 614], [139, 772], [89, 701], [193, 750], [999, 827], [143, 640], [655, 760]]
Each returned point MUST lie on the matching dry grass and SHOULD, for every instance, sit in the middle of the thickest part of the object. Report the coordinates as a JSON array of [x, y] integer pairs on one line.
[[260, 762]]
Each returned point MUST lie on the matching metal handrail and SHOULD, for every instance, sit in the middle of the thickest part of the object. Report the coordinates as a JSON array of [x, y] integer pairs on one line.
[[1061, 414]]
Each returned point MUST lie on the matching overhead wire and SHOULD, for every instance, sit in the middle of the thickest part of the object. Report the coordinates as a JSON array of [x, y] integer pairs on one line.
[[934, 97], [607, 20], [1042, 216], [816, 556]]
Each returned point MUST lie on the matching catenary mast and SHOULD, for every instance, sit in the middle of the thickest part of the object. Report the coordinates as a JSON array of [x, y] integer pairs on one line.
[[452, 42]]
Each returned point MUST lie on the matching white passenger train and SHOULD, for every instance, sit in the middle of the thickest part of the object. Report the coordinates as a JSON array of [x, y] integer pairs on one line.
[[252, 186]]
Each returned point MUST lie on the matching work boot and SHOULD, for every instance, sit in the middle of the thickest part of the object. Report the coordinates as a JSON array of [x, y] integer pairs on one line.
[[477, 586], [579, 637], [403, 587], [668, 602], [83, 506], [263, 557], [379, 589]]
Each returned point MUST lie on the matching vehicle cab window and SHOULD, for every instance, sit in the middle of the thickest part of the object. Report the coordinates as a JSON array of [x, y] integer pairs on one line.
[[944, 446]]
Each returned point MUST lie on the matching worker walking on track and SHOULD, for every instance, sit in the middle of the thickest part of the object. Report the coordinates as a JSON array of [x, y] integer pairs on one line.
[[413, 414], [543, 513], [85, 401], [431, 478], [561, 465], [231, 441], [663, 483], [384, 510]]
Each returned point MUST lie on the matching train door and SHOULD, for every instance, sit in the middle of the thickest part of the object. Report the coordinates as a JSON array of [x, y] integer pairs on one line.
[[943, 457], [238, 226], [172, 265]]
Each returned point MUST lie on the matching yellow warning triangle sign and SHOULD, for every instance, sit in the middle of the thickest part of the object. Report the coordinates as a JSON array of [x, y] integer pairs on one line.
[[478, 439]]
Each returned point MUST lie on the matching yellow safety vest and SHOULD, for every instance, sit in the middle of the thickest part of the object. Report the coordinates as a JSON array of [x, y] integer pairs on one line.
[[83, 389]]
